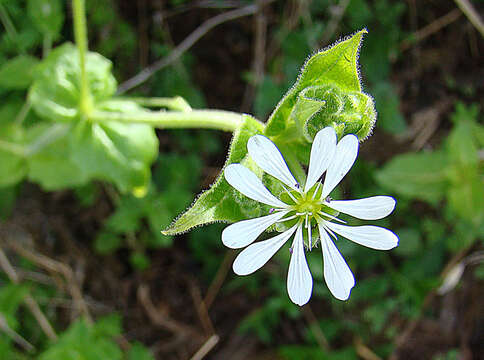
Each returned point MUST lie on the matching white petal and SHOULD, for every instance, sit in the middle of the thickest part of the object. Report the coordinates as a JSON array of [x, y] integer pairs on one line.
[[337, 274], [345, 156], [374, 237], [372, 208], [250, 185], [299, 279], [256, 255], [270, 159], [322, 152], [244, 232]]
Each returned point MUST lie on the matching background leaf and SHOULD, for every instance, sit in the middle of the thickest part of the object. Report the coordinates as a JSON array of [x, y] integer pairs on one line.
[[420, 176], [47, 15], [17, 73]]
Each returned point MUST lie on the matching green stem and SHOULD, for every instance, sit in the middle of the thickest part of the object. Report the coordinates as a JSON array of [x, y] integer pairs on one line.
[[46, 45], [80, 34], [195, 119], [176, 103]]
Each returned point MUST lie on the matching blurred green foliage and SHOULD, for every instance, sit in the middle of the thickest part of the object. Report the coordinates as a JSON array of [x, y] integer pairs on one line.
[[447, 179]]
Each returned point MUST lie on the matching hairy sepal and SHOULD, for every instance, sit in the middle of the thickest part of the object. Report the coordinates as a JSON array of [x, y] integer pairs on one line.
[[222, 202]]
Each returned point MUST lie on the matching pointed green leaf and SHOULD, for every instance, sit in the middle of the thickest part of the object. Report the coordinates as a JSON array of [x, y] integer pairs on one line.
[[335, 66], [221, 202]]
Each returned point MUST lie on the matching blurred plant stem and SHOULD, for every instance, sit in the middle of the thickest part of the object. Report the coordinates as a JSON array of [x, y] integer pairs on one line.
[[195, 119], [176, 103], [80, 34]]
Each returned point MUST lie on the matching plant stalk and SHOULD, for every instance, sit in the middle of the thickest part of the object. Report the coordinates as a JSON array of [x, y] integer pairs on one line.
[[80, 34], [195, 119]]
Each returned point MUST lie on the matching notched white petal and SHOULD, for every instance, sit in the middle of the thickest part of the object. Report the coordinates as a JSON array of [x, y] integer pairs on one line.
[[322, 152], [246, 182], [372, 208], [343, 160], [257, 255], [374, 237], [243, 233], [299, 279], [337, 274], [268, 157]]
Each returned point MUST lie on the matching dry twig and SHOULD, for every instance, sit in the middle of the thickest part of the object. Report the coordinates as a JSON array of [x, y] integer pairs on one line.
[[60, 268], [471, 14], [157, 317], [337, 14], [186, 44], [29, 300], [14, 335], [364, 351], [431, 28], [219, 278], [314, 326], [258, 61], [206, 347]]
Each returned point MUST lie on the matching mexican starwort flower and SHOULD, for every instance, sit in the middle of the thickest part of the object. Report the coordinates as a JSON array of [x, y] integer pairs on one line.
[[302, 208]]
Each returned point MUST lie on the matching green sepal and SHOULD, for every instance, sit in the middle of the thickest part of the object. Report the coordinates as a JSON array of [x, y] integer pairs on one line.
[[327, 93], [55, 92], [222, 202]]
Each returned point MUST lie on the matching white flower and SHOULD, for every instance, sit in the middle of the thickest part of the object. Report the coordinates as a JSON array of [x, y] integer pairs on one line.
[[305, 207]]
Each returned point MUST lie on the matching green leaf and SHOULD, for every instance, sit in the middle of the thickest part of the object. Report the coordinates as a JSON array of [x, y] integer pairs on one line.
[[17, 73], [107, 242], [117, 152], [466, 194], [466, 198], [335, 67], [83, 342], [422, 176], [52, 167], [47, 15], [55, 92], [221, 202], [13, 166], [139, 352], [11, 296], [410, 242]]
